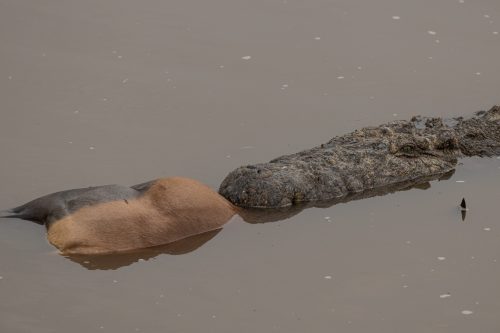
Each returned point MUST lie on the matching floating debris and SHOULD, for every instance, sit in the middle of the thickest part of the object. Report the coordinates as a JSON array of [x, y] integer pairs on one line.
[[441, 258], [487, 229], [91, 147], [467, 312], [327, 277], [495, 32], [460, 181], [430, 32], [463, 205], [340, 77], [115, 281], [76, 112], [445, 295], [478, 73], [10, 77], [246, 57], [317, 38], [360, 68], [124, 80], [395, 17]]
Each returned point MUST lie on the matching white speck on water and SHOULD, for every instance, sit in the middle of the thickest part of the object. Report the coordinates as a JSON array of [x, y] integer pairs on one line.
[[495, 32], [10, 77], [104, 99], [317, 38], [228, 156], [44, 54], [91, 147], [430, 58], [283, 167], [76, 112], [114, 52], [433, 270], [1, 277], [445, 295], [161, 295], [115, 281], [486, 16], [124, 80], [221, 66], [360, 68], [372, 97], [327, 277], [487, 229], [467, 312], [119, 57], [101, 327], [394, 114], [430, 32], [405, 286], [437, 41], [247, 147], [441, 258], [461, 1], [478, 73], [408, 242], [70, 142], [179, 315], [246, 57], [395, 17], [140, 259], [460, 181], [327, 217], [340, 77], [472, 257], [213, 317], [284, 86]]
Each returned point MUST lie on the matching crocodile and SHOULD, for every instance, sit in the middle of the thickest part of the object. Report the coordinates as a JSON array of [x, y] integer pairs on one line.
[[368, 159]]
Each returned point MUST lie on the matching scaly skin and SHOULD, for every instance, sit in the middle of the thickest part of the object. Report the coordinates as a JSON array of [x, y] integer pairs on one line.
[[366, 159]]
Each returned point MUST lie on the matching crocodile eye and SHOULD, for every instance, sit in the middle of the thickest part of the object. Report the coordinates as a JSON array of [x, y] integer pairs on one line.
[[408, 150]]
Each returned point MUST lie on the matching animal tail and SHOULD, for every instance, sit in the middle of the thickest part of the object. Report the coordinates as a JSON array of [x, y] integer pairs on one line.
[[7, 213], [22, 212]]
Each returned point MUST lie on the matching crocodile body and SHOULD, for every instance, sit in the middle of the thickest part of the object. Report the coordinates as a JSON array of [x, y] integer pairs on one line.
[[365, 160]]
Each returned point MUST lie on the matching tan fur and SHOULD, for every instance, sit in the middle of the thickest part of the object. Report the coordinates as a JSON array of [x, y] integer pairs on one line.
[[171, 209]]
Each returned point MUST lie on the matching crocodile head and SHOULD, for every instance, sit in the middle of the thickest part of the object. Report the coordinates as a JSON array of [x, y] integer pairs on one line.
[[366, 159]]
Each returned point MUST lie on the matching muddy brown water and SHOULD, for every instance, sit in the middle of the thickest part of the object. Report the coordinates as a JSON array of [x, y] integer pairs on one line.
[[99, 92]]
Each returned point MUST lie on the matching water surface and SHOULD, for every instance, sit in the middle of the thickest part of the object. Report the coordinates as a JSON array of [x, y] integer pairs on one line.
[[101, 92]]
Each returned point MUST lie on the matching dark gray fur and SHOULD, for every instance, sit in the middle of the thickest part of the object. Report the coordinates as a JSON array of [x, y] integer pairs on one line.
[[366, 159], [55, 206]]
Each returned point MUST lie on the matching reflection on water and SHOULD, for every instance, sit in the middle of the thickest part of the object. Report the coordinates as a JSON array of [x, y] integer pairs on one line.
[[186, 245], [117, 260]]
